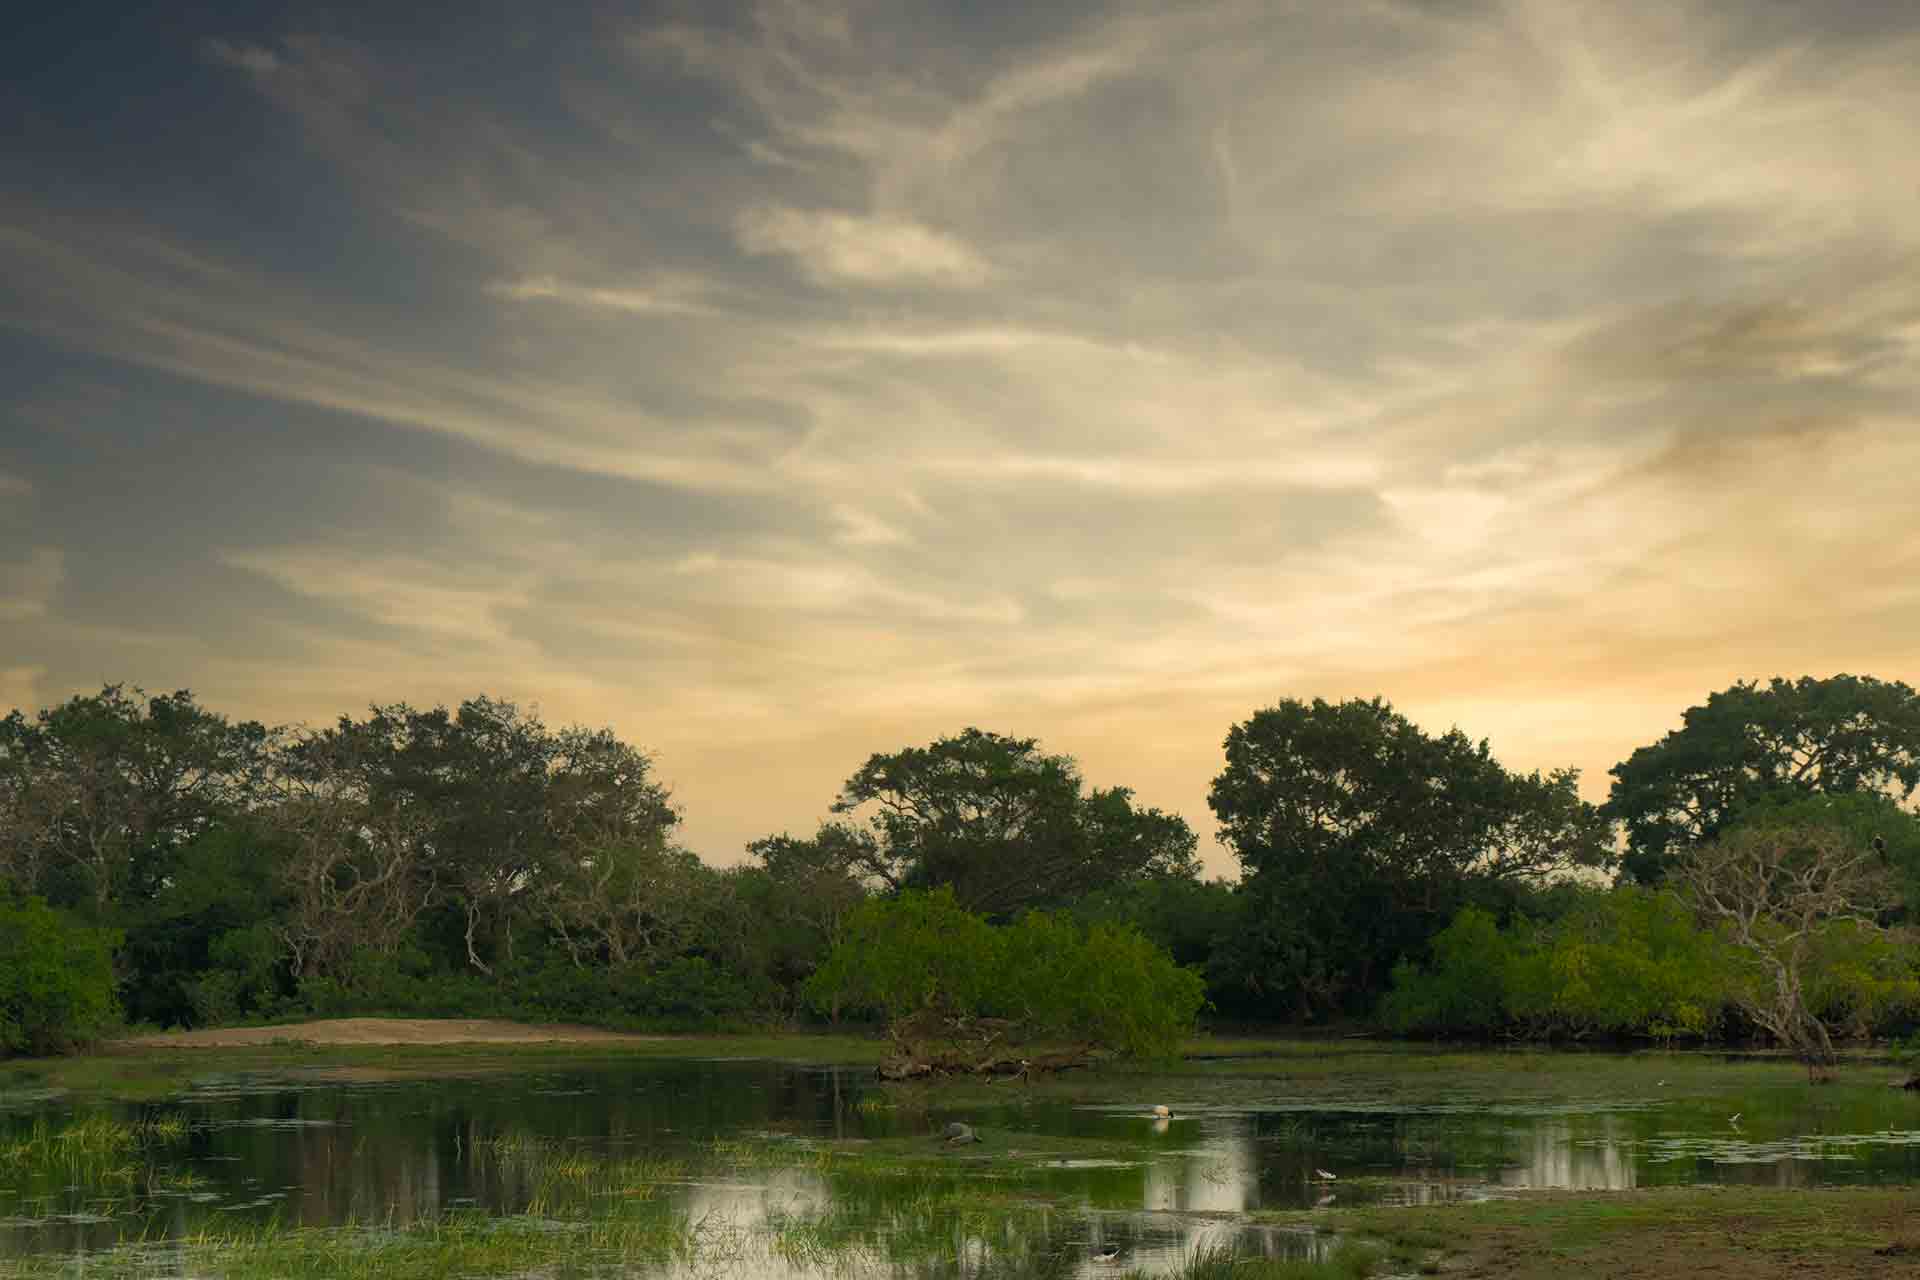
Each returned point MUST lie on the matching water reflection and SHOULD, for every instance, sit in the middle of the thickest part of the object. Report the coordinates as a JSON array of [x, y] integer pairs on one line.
[[323, 1151], [1554, 1158]]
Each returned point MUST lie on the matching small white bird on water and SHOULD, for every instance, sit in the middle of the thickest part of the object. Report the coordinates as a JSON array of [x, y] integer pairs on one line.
[[1162, 1112], [1734, 1119], [1324, 1176]]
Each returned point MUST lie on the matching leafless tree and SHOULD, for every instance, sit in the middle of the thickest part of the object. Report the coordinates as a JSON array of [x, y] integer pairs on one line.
[[1774, 890]]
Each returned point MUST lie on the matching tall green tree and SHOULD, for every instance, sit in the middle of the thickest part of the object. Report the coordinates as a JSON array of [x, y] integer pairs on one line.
[[467, 813], [1360, 835], [101, 792], [1006, 825], [1839, 736]]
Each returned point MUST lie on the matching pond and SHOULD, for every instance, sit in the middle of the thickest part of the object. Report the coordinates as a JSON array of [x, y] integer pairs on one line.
[[766, 1169]]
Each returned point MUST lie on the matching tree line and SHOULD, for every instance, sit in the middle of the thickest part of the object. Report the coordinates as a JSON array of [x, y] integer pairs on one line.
[[191, 869]]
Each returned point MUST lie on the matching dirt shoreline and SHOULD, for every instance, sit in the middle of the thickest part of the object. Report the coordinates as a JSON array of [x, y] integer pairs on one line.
[[375, 1031]]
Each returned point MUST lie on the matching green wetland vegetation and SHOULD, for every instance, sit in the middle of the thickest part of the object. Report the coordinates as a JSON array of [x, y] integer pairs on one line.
[[980, 939], [290, 1161]]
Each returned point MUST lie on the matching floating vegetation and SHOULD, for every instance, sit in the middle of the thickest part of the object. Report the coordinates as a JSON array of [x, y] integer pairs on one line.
[[1736, 1150]]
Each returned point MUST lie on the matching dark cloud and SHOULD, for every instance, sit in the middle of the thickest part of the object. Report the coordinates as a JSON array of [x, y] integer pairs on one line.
[[786, 381]]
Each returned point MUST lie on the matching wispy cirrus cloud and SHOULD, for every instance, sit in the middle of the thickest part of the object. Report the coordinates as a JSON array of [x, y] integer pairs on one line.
[[822, 376], [837, 247]]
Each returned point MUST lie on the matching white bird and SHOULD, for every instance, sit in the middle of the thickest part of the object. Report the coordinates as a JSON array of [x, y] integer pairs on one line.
[[1734, 1119], [1162, 1112], [1324, 1176], [1109, 1254]]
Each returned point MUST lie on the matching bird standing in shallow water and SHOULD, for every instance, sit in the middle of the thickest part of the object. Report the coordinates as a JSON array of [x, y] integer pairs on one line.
[[1110, 1253], [1162, 1112]]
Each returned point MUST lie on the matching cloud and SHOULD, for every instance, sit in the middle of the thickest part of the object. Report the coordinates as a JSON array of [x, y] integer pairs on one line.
[[805, 379], [12, 486], [28, 585], [245, 57], [668, 297], [844, 248], [863, 529]]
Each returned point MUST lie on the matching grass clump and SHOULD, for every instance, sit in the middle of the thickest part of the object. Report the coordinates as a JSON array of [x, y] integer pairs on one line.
[[1348, 1260]]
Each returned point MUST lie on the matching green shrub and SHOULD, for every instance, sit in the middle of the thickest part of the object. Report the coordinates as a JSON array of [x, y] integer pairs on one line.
[[1631, 962], [921, 955], [915, 953], [1463, 991], [56, 980]]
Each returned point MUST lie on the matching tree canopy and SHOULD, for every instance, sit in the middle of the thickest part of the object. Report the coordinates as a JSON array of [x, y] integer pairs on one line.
[[100, 793], [1838, 736], [1360, 833], [1006, 825]]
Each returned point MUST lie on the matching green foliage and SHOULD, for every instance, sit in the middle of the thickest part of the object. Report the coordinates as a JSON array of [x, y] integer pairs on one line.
[[922, 953], [1799, 904], [99, 794], [203, 950], [56, 979], [1862, 978], [1003, 824], [245, 978], [1862, 819], [1748, 745], [1190, 918], [901, 956], [689, 993], [1463, 989], [1633, 962], [1361, 835]]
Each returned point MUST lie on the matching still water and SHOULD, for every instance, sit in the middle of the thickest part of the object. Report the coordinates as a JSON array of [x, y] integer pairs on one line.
[[322, 1149]]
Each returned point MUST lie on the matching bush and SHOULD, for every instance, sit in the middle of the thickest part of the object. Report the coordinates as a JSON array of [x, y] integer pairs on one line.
[[921, 955], [1464, 990], [1631, 962], [56, 980], [688, 993]]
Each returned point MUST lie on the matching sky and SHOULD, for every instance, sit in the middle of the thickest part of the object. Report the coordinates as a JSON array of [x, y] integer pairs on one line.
[[780, 383]]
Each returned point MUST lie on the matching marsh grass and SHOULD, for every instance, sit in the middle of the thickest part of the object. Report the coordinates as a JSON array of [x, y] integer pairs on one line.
[[1347, 1260], [92, 1151], [457, 1245]]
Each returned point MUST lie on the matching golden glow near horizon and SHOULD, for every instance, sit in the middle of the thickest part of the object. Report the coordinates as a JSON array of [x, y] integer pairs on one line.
[[816, 379]]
